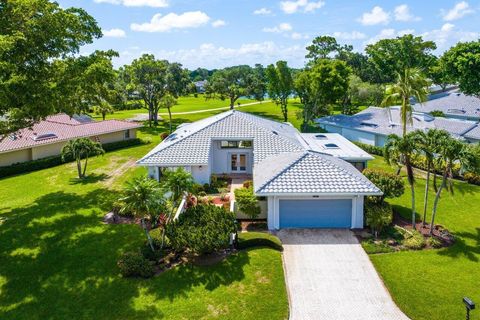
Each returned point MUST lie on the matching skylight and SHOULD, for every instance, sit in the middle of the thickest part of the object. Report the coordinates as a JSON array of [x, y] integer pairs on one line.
[[370, 125], [44, 136], [331, 146], [320, 136]]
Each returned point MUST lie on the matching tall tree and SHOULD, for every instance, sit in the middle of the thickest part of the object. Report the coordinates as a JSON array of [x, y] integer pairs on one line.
[[280, 85], [259, 82], [410, 83], [321, 86], [33, 35], [404, 148], [232, 83], [462, 63], [439, 75], [148, 77], [452, 151], [428, 142], [362, 93], [322, 47], [393, 56], [167, 102], [79, 149]]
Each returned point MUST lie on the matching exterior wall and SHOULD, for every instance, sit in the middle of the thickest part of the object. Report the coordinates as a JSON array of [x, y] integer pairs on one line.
[[380, 140], [201, 174], [273, 211], [10, 158], [363, 137], [220, 159], [54, 149], [332, 129]]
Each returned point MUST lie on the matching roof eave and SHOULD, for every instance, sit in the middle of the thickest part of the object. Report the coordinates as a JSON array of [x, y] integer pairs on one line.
[[319, 194]]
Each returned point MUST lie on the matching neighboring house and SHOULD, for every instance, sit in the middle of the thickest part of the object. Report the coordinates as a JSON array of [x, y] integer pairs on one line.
[[46, 138], [373, 125], [305, 181], [453, 104], [200, 86]]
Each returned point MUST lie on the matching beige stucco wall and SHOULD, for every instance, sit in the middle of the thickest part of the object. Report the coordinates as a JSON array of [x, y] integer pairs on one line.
[[9, 158], [47, 150], [116, 136]]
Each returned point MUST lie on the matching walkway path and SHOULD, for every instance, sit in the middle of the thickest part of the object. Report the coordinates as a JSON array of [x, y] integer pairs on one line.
[[329, 276]]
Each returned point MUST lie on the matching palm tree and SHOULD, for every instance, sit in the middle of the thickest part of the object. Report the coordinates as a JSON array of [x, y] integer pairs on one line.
[[452, 151], [410, 84], [428, 144], [79, 149], [401, 150], [143, 197], [168, 101], [103, 108]]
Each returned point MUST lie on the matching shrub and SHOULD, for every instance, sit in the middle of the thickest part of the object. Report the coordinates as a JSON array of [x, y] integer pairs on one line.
[[247, 202], [434, 242], [163, 135], [370, 246], [414, 240], [248, 184], [391, 184], [370, 149], [133, 264], [437, 113], [122, 144], [378, 215], [202, 229], [472, 178], [258, 239]]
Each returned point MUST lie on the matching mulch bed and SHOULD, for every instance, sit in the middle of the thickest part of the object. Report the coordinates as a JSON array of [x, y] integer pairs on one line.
[[253, 225], [439, 231]]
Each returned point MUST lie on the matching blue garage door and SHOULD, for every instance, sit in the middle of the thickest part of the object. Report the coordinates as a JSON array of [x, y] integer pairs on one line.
[[316, 213]]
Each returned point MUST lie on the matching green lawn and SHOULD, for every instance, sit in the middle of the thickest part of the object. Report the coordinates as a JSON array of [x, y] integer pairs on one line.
[[58, 261], [430, 284]]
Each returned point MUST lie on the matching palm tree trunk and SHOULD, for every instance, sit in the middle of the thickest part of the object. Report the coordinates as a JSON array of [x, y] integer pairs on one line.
[[144, 226], [413, 206], [170, 118], [79, 168], [435, 181], [437, 197], [85, 166], [425, 199]]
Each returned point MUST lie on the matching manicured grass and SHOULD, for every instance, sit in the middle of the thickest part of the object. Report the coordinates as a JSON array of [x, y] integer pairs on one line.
[[58, 260], [430, 284]]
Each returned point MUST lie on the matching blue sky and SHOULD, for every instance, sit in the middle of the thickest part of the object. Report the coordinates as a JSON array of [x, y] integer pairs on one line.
[[219, 33]]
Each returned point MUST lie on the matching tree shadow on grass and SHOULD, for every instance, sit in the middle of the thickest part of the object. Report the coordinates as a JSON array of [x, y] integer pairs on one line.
[[462, 248], [91, 178], [58, 261]]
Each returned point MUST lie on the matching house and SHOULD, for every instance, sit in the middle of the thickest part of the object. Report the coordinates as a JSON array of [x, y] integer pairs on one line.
[[200, 86], [374, 124], [454, 104], [46, 138], [305, 181]]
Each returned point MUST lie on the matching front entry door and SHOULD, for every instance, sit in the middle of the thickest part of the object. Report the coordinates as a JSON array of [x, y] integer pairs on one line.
[[238, 162]]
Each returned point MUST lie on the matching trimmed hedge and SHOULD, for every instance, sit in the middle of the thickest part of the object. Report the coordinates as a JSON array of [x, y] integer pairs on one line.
[[49, 162], [370, 149], [258, 239]]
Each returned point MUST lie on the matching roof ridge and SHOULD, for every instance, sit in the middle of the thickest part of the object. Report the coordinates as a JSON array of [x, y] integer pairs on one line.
[[288, 166]]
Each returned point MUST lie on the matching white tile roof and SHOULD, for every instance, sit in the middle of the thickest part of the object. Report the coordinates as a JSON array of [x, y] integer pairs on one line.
[[190, 144], [453, 103], [320, 142], [311, 173]]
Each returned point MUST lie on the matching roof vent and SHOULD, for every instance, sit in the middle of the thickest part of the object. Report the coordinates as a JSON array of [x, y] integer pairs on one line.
[[275, 132], [370, 125], [44, 136], [320, 136], [456, 111], [331, 146], [171, 137], [13, 136], [458, 94]]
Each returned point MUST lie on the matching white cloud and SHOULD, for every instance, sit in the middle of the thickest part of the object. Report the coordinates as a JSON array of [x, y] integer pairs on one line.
[[290, 7], [159, 23], [298, 36], [354, 35], [376, 16], [402, 13], [282, 27], [388, 34], [218, 23], [211, 56], [114, 33], [137, 3], [458, 11], [262, 11], [448, 35]]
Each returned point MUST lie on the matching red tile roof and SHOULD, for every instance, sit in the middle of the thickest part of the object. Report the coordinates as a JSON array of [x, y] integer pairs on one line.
[[64, 128]]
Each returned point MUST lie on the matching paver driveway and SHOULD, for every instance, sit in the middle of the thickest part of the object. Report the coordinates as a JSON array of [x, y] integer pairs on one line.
[[329, 276]]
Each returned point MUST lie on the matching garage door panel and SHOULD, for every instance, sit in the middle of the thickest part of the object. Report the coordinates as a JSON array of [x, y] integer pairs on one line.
[[335, 213]]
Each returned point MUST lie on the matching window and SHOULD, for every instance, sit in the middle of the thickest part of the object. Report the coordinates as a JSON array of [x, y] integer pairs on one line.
[[127, 134], [236, 144]]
